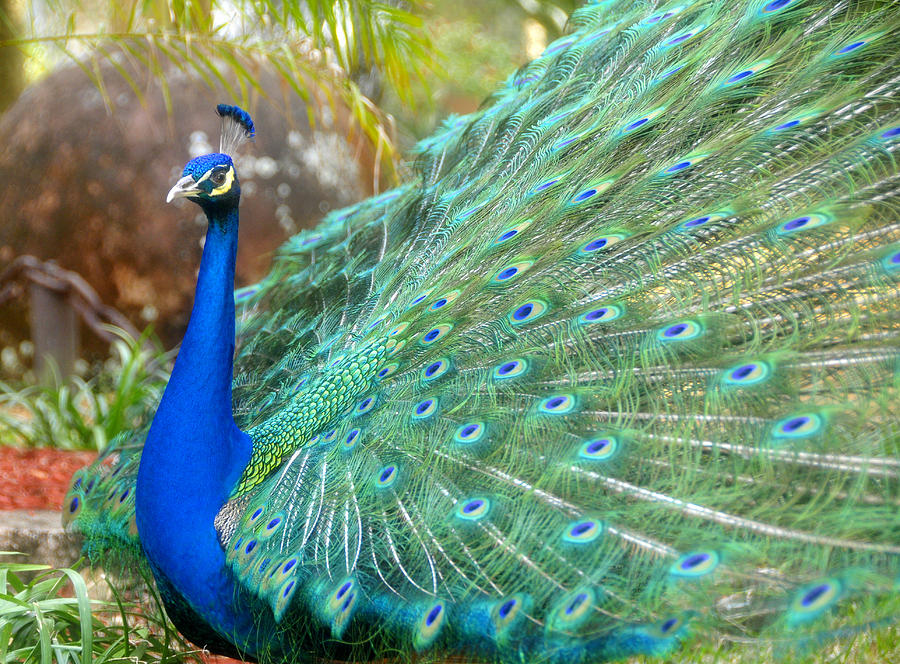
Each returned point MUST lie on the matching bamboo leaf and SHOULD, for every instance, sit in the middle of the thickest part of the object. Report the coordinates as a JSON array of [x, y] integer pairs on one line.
[[333, 38]]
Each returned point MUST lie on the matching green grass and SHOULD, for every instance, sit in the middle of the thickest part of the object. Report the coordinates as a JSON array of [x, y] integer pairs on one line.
[[875, 646], [83, 413], [42, 623]]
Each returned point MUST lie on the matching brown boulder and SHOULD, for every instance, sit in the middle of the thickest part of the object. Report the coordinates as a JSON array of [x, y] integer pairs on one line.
[[86, 187]]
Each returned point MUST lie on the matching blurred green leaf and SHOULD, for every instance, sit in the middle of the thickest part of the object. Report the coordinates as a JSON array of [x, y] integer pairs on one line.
[[87, 414], [40, 621], [317, 46]]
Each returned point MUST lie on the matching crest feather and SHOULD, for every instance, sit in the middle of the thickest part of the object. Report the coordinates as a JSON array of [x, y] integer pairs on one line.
[[237, 127]]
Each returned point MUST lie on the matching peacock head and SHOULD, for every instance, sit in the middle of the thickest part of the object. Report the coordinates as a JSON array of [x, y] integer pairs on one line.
[[210, 180]]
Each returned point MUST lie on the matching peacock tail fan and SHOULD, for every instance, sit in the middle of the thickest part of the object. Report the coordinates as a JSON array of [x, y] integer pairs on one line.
[[616, 372], [100, 503]]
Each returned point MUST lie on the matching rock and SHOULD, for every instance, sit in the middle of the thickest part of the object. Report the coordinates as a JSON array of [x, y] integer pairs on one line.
[[87, 188], [40, 536]]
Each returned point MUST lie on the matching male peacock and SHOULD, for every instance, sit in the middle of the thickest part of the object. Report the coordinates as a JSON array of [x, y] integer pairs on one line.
[[619, 368]]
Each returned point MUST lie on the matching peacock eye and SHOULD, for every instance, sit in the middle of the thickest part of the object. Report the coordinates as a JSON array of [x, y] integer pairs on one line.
[[218, 177]]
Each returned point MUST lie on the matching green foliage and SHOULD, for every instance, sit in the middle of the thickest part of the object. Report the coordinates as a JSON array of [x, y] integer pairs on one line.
[[87, 413], [478, 43], [317, 47], [40, 622]]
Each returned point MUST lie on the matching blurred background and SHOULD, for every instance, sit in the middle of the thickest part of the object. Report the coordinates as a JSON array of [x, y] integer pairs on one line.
[[102, 103]]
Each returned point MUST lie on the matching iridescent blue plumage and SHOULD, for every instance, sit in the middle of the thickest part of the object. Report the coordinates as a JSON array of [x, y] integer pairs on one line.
[[616, 371], [239, 116], [199, 166], [194, 452]]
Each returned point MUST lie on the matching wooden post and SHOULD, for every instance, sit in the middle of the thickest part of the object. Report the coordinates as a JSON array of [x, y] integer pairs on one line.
[[54, 330]]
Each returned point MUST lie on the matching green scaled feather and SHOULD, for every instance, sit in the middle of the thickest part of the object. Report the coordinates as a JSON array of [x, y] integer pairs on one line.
[[618, 369]]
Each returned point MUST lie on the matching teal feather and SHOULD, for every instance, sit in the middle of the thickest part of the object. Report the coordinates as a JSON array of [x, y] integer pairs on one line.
[[616, 371]]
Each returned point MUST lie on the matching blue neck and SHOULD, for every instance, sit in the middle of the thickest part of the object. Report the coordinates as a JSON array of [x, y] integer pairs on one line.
[[194, 453]]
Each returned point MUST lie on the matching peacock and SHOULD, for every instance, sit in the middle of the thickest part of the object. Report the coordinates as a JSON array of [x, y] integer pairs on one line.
[[615, 371]]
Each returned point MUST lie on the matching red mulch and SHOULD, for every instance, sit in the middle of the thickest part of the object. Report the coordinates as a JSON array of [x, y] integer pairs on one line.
[[37, 479]]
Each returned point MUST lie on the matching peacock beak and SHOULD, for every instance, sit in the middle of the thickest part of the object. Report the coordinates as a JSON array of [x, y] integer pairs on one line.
[[184, 188]]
